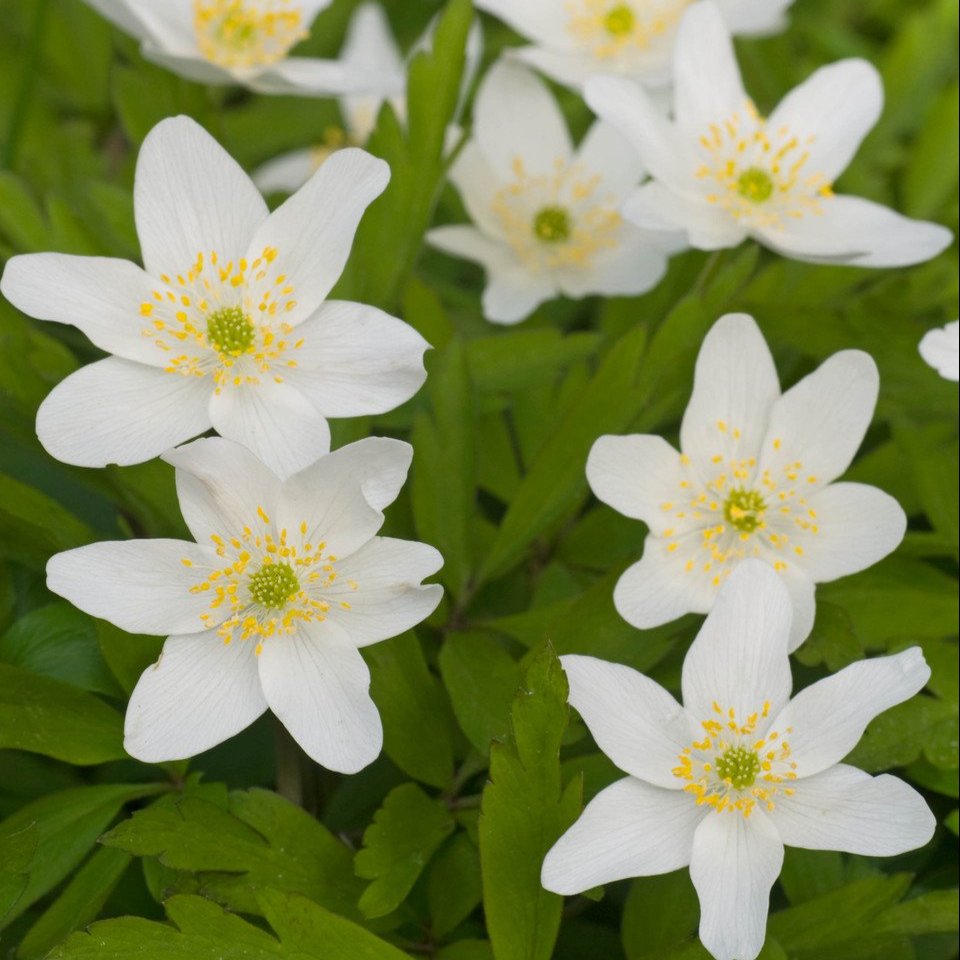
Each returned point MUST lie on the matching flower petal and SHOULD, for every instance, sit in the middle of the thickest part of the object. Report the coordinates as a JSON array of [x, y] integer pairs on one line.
[[831, 112], [288, 172], [274, 420], [845, 809], [634, 721], [754, 17], [187, 63], [739, 659], [314, 230], [191, 197], [815, 428], [357, 360], [534, 19], [941, 349], [477, 185], [305, 77], [635, 265], [572, 68], [607, 153], [655, 206], [516, 116], [220, 485], [734, 388], [370, 46], [169, 25], [803, 601], [117, 411], [630, 829], [469, 243], [388, 598], [141, 586], [318, 686], [119, 13], [199, 693], [828, 718], [511, 295], [733, 865], [98, 295]]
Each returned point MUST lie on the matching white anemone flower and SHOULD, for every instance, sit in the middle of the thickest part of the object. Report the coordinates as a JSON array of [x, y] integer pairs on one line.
[[271, 605], [546, 216], [941, 349], [722, 783], [754, 478], [573, 40], [244, 42], [724, 173], [227, 325]]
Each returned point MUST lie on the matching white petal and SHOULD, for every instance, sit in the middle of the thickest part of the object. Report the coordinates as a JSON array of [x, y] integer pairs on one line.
[[191, 197], [220, 484], [477, 184], [707, 84], [635, 265], [733, 866], [169, 24], [857, 526], [388, 597], [630, 829], [305, 77], [120, 14], [820, 422], [318, 686], [572, 68], [636, 475], [845, 809], [515, 116], [739, 659], [370, 45], [535, 19], [828, 718], [98, 295], [634, 721], [606, 152], [357, 360], [734, 388], [117, 411], [512, 295], [141, 586], [941, 349], [199, 693], [655, 206], [378, 464], [755, 17], [288, 172], [470, 244], [860, 233], [314, 230], [274, 420], [831, 112], [190, 65], [803, 601]]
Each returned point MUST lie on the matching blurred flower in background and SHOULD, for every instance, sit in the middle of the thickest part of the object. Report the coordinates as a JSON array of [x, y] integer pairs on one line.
[[941, 349]]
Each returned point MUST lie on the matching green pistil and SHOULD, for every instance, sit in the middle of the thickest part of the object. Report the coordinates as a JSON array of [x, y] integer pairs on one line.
[[552, 225], [738, 766], [619, 20], [755, 185], [273, 585], [744, 509], [230, 331]]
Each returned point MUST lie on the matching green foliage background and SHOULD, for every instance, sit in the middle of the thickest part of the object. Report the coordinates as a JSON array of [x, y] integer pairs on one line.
[[435, 849]]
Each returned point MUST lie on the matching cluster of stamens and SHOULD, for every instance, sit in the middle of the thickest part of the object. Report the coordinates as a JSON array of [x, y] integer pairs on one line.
[[556, 220], [609, 28], [733, 769], [247, 33], [760, 175], [225, 320], [268, 584]]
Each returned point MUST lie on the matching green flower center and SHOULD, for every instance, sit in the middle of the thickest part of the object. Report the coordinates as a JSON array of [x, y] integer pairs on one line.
[[230, 331], [273, 585], [619, 20], [744, 509], [738, 766], [755, 185], [552, 225]]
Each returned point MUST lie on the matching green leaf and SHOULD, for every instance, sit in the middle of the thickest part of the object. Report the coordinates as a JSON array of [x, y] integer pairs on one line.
[[17, 851], [49, 717], [20, 217], [127, 654], [808, 874], [454, 888], [67, 824], [523, 813], [935, 912], [660, 913], [405, 833]]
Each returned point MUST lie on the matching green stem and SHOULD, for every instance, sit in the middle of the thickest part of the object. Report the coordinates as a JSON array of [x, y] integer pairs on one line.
[[28, 75], [709, 272]]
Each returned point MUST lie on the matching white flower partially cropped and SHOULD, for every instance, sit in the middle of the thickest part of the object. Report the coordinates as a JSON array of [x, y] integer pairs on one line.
[[227, 325], [572, 40], [546, 217], [722, 783], [723, 173], [754, 479], [243, 42], [941, 349], [287, 580]]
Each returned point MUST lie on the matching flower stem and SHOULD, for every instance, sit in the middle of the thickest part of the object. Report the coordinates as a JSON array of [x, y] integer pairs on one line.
[[298, 777]]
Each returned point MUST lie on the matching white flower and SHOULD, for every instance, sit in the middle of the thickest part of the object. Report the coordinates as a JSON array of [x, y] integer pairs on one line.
[[546, 216], [723, 782], [572, 40], [227, 325], [754, 479], [723, 173], [232, 41], [941, 349], [286, 581]]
